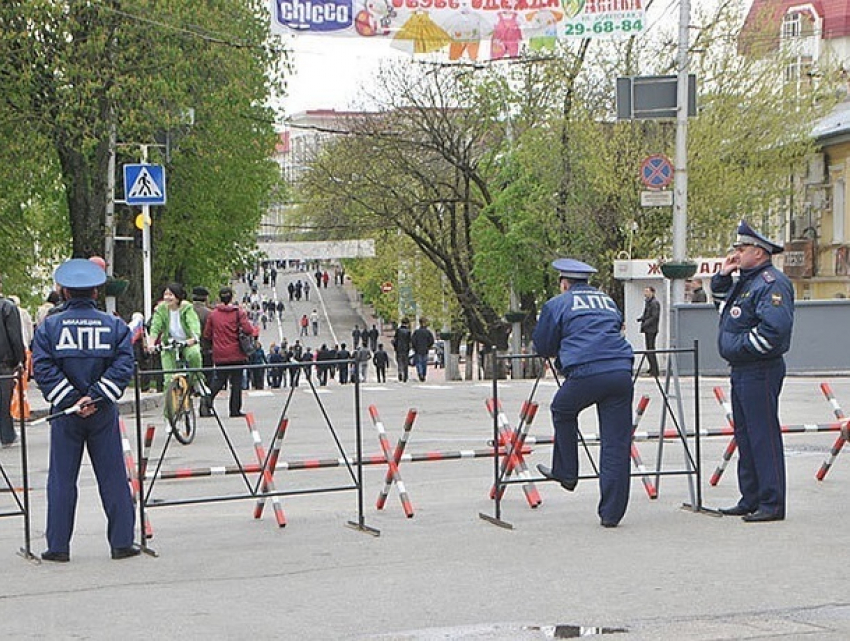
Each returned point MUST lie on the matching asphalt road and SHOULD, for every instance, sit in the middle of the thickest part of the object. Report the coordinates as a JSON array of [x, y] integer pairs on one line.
[[444, 573]]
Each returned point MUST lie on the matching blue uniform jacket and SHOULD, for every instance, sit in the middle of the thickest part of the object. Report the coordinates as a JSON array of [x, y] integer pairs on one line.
[[82, 351], [582, 327], [756, 314]]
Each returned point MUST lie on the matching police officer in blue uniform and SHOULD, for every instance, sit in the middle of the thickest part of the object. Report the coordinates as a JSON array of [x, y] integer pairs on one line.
[[82, 362], [582, 327], [756, 319]]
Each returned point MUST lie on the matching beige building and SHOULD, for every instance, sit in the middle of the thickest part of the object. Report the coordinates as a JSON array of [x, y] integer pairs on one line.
[[817, 256]]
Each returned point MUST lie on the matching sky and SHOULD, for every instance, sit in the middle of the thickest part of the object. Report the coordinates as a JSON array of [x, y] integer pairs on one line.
[[330, 71]]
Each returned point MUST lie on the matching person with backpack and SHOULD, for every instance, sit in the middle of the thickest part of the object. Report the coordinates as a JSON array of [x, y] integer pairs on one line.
[[222, 328]]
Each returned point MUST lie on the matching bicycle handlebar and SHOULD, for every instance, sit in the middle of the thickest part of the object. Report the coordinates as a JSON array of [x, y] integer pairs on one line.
[[171, 345]]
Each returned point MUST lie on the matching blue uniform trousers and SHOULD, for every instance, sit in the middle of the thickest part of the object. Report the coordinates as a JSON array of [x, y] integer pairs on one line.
[[761, 460], [612, 394], [101, 437]]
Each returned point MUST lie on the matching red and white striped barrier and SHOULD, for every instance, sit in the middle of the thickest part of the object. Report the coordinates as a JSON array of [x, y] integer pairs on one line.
[[841, 426], [267, 475], [392, 466], [505, 439], [277, 442], [515, 443], [845, 431], [648, 485], [397, 455], [720, 395], [132, 475], [201, 472], [129, 461], [316, 464]]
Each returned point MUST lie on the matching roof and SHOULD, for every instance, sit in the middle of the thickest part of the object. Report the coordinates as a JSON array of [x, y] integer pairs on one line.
[[835, 14], [836, 123]]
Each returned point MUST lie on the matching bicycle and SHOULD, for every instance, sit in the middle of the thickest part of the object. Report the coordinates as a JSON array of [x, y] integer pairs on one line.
[[179, 396]]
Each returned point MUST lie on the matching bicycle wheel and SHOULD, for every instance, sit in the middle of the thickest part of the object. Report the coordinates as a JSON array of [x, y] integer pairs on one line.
[[180, 410]]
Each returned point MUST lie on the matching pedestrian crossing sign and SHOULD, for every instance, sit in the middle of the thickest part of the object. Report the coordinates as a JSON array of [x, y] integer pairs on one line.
[[144, 184]]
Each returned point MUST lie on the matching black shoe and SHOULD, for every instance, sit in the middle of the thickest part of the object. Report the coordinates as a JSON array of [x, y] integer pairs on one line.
[[569, 486], [238, 415], [607, 524], [56, 557], [11, 443], [125, 553], [762, 517], [735, 510], [204, 412]]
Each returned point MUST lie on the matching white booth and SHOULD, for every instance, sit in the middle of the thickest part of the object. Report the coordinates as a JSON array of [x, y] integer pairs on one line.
[[641, 273]]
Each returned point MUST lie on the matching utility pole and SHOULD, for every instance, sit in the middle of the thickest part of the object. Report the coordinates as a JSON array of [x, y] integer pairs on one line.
[[109, 242], [146, 249], [680, 183]]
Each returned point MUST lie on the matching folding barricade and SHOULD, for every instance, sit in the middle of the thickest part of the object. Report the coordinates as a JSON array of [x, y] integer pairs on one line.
[[263, 487], [840, 426], [510, 462]]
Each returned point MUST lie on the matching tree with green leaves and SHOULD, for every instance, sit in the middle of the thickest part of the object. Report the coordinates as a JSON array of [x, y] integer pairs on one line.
[[88, 77]]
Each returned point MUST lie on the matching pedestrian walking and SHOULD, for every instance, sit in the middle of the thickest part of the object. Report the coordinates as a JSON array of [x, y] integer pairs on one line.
[[314, 321], [581, 329], [401, 345], [12, 354], [422, 341], [343, 354], [275, 366], [222, 329], [756, 320], [380, 360], [649, 322], [373, 338]]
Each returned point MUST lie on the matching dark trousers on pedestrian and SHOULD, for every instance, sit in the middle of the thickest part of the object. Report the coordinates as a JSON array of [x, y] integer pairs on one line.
[[234, 378], [381, 371], [401, 361], [100, 435], [7, 427], [612, 394], [651, 358], [758, 433]]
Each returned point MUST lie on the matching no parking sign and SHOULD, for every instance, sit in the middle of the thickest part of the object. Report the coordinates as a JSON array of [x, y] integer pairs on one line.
[[656, 171]]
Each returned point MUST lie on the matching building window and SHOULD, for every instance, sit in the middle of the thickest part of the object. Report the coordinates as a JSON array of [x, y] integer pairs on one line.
[[838, 212], [792, 26]]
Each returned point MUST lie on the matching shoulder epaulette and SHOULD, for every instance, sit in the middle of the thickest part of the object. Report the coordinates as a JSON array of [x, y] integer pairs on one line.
[[768, 276]]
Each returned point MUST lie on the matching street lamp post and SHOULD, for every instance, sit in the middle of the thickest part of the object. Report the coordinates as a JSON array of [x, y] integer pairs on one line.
[[680, 184]]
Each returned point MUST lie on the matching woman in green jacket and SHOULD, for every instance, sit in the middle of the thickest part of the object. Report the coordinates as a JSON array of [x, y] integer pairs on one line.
[[175, 318]]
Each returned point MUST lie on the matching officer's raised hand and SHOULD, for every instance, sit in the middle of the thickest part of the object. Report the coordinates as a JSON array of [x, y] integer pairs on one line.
[[730, 263]]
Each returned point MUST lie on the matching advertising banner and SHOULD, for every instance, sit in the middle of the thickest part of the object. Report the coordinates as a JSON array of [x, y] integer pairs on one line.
[[464, 29]]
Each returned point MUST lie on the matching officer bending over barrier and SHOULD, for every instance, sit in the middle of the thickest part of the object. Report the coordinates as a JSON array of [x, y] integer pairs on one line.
[[582, 328], [83, 357]]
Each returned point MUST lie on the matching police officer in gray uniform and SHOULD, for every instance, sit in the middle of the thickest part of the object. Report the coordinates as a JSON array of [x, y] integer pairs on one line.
[[82, 362], [582, 327], [756, 319]]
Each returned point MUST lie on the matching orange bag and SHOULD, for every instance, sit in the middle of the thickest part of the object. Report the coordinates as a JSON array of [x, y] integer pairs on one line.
[[15, 406]]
